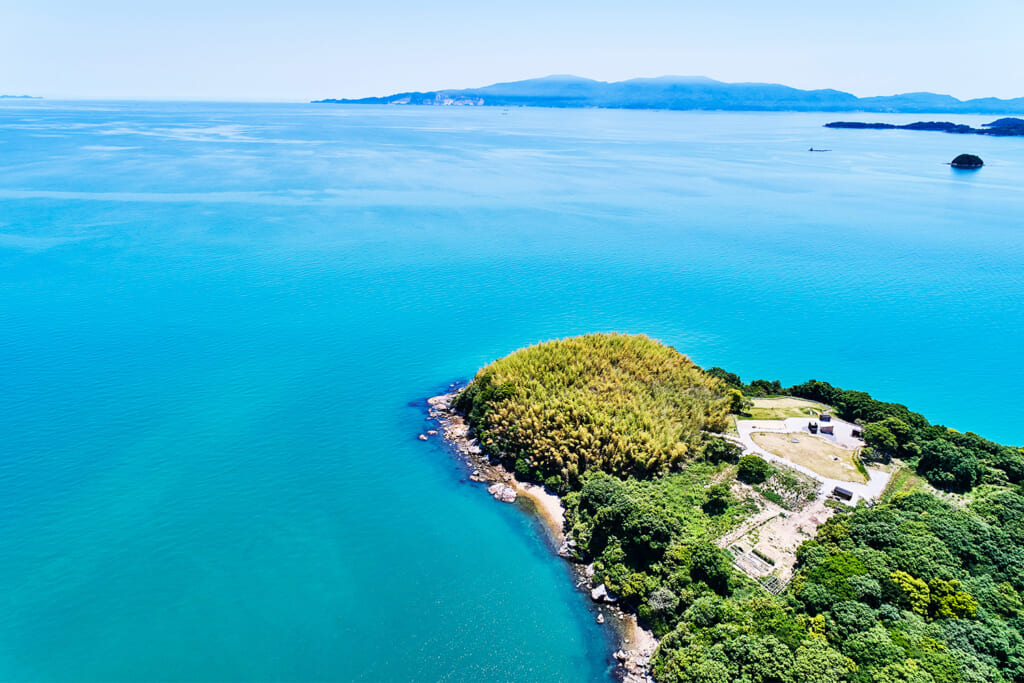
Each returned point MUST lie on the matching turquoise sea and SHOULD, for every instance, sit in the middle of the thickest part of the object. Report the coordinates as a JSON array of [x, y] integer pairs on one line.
[[218, 323]]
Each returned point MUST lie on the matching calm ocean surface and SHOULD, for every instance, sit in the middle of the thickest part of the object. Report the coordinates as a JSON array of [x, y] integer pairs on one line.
[[214, 318]]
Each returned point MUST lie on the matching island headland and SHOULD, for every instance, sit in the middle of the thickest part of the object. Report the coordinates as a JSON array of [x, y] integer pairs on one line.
[[1005, 127], [755, 532]]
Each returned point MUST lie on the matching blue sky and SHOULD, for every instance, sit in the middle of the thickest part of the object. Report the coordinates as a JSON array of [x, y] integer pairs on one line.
[[304, 49]]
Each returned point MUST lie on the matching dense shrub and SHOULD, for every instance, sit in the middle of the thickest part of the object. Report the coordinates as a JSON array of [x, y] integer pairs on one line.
[[752, 469], [719, 450], [718, 499]]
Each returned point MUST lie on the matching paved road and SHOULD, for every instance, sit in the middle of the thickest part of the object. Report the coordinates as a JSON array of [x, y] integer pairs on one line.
[[843, 437]]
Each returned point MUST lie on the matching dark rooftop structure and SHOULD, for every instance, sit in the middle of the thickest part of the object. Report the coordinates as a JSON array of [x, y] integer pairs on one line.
[[812, 427], [840, 492], [825, 417], [828, 429]]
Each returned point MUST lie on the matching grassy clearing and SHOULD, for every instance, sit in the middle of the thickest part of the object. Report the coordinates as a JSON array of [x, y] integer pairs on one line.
[[859, 464], [903, 481], [814, 453], [681, 493], [782, 407]]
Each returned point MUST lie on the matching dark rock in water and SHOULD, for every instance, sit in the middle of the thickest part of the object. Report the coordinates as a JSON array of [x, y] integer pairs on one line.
[[967, 161]]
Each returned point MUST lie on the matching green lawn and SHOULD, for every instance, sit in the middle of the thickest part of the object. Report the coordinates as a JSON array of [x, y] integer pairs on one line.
[[903, 481], [782, 407]]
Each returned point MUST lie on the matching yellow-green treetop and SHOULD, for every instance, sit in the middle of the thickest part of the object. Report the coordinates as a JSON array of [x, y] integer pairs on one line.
[[624, 404]]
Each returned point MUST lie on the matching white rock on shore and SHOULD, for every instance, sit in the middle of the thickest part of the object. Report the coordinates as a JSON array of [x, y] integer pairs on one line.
[[502, 492], [601, 594]]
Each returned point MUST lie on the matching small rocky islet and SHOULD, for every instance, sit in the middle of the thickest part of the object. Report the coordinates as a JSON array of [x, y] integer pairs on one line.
[[968, 162]]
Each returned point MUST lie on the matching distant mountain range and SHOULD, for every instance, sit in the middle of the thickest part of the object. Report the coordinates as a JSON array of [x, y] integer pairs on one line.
[[687, 92]]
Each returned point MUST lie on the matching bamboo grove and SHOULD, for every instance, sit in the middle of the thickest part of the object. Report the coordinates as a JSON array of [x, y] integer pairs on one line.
[[623, 404]]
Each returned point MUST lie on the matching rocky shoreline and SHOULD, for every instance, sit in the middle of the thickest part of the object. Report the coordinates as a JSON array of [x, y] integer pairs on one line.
[[636, 644]]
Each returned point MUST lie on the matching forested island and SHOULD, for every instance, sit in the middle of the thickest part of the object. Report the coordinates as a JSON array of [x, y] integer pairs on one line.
[[1005, 127], [707, 506]]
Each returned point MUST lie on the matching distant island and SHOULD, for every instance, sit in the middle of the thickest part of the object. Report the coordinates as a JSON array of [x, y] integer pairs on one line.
[[19, 97], [685, 93], [1002, 127], [761, 533]]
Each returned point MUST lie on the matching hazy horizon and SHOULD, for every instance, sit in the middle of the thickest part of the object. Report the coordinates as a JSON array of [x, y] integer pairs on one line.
[[309, 49]]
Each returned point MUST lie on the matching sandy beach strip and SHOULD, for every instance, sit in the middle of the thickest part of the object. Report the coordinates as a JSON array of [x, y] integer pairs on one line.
[[549, 507]]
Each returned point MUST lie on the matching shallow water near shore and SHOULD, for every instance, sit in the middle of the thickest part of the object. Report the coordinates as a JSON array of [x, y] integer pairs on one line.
[[217, 321]]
